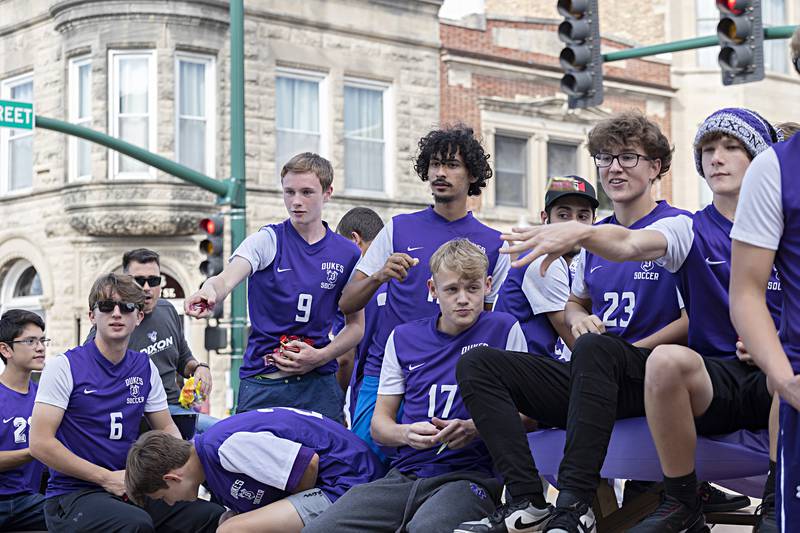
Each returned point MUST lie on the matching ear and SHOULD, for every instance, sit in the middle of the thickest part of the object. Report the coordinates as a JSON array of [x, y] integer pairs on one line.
[[6, 350], [432, 288], [488, 284], [326, 194], [543, 217], [139, 317], [172, 476], [92, 318], [657, 166], [356, 238]]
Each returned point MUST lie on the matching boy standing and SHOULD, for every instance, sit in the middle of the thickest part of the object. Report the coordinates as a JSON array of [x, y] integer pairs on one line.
[[22, 349], [277, 468], [441, 472], [88, 409], [297, 270]]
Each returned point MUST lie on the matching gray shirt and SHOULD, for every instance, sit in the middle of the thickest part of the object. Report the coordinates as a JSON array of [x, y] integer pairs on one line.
[[160, 335]]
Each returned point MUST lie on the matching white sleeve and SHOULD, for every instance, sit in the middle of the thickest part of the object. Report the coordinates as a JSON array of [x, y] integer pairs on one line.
[[579, 288], [516, 339], [546, 294], [258, 249], [679, 235], [157, 399], [759, 214], [55, 385], [499, 274], [392, 380], [263, 456], [379, 251]]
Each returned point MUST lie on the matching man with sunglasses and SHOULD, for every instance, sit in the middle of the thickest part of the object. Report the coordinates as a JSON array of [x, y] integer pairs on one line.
[[22, 348], [160, 335], [89, 406]]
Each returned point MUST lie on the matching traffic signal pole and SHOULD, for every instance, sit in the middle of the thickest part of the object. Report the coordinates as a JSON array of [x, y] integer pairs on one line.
[[231, 191]]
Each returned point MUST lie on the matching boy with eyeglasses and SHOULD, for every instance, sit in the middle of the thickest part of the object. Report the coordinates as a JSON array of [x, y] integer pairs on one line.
[[161, 336], [22, 349], [89, 405]]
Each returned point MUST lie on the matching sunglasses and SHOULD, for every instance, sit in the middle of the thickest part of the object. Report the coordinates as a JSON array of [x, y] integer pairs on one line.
[[107, 306], [152, 281]]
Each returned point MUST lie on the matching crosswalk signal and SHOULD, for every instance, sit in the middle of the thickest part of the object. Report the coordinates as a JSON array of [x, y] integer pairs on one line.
[[741, 39], [581, 59], [212, 245]]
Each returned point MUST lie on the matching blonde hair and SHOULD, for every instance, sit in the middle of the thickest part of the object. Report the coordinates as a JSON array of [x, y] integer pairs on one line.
[[310, 162], [461, 256]]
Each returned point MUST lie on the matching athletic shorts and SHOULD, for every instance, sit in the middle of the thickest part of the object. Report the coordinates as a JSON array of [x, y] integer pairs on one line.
[[309, 504], [787, 493], [741, 399]]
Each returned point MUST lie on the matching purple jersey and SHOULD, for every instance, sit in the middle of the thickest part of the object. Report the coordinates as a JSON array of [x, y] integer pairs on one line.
[[419, 235], [105, 407], [633, 299], [256, 458], [704, 277], [420, 364], [371, 316], [296, 294], [16, 409]]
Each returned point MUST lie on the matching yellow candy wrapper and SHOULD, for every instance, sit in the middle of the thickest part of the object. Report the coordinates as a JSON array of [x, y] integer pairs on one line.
[[190, 394]]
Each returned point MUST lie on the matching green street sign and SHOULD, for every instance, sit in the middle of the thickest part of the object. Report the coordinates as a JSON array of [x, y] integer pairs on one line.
[[16, 115]]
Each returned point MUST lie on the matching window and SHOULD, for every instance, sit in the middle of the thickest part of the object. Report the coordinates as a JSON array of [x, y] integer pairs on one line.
[[21, 288], [510, 170], [132, 105], [707, 20], [195, 107], [775, 51], [297, 114], [80, 112], [562, 159], [17, 145], [364, 136]]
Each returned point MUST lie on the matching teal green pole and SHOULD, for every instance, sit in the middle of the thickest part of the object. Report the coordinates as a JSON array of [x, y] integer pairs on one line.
[[237, 196], [220, 188], [778, 32]]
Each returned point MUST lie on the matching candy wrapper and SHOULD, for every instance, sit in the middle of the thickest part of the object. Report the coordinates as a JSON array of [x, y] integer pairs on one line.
[[285, 340], [191, 397]]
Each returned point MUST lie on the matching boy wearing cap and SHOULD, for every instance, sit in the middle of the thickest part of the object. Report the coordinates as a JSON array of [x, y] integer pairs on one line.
[[538, 301], [704, 388]]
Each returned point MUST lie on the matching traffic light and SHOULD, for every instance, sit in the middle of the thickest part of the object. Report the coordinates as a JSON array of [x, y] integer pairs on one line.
[[581, 59], [212, 245], [741, 39]]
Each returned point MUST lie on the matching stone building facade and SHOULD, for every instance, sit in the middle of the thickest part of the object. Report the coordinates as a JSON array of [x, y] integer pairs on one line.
[[341, 77]]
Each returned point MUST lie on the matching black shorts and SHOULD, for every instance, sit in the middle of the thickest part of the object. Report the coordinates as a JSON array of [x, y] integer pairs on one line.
[[741, 399]]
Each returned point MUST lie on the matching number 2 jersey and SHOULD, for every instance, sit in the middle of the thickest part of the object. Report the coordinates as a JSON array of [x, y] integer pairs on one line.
[[294, 289], [634, 299], [103, 406], [419, 235], [256, 458], [420, 364], [15, 410]]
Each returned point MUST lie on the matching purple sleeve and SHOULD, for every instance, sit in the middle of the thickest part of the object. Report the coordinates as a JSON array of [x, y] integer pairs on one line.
[[301, 462]]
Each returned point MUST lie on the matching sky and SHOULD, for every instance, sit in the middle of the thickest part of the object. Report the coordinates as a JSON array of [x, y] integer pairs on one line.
[[455, 9]]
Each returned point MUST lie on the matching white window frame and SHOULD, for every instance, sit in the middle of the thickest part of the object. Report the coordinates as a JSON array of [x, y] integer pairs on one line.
[[210, 63], [75, 65], [388, 134], [526, 185], [322, 79], [152, 105], [5, 136], [9, 282]]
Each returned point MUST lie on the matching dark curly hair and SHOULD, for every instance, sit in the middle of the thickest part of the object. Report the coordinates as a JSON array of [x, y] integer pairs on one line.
[[446, 143]]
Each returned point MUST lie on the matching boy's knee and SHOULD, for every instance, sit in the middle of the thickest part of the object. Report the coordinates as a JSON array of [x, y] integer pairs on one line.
[[671, 364], [591, 349], [475, 362]]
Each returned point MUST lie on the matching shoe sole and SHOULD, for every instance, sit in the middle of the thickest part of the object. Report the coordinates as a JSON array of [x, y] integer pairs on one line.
[[725, 508]]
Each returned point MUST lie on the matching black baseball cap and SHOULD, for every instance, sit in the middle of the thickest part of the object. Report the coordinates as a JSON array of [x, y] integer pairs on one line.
[[561, 186]]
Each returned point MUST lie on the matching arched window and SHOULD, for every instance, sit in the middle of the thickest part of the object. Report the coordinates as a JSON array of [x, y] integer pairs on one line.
[[21, 288]]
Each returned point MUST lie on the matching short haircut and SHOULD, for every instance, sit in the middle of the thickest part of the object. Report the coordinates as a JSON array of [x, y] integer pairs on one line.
[[122, 284], [717, 135], [310, 162], [631, 127], [13, 322], [152, 456], [362, 220], [446, 143], [462, 257], [788, 129], [139, 255], [795, 43]]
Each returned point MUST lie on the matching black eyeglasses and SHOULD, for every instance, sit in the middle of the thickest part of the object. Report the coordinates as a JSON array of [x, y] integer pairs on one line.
[[31, 341], [625, 159], [152, 281], [107, 306]]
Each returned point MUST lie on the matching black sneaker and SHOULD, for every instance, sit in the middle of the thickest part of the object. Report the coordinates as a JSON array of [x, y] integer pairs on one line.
[[577, 518], [719, 501], [766, 516], [514, 517], [672, 516], [633, 489]]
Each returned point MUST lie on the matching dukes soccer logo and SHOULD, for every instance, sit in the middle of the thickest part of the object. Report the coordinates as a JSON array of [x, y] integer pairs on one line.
[[647, 271], [332, 271], [134, 384]]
